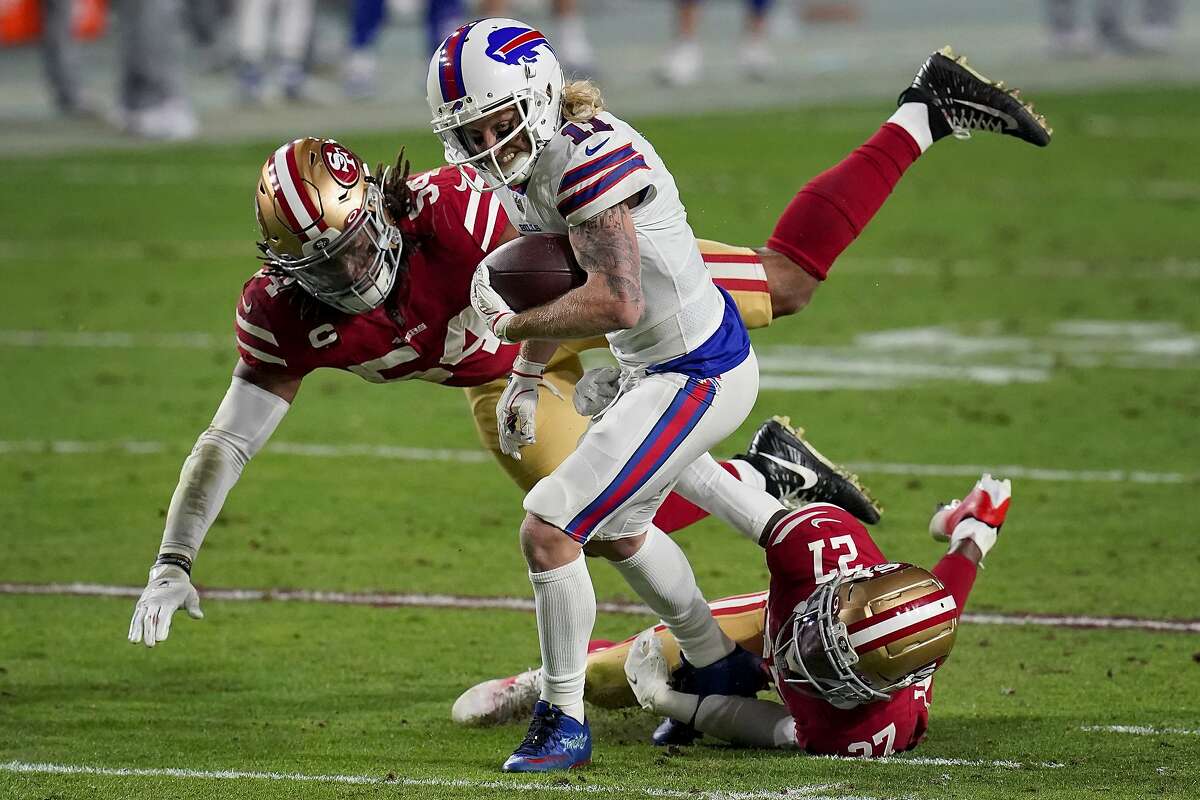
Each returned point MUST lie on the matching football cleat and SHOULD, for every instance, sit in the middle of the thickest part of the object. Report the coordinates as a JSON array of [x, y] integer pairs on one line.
[[740, 673], [969, 101], [554, 741], [797, 474], [977, 517], [498, 701]]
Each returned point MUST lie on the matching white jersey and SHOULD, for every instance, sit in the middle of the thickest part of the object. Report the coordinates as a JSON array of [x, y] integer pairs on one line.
[[592, 166]]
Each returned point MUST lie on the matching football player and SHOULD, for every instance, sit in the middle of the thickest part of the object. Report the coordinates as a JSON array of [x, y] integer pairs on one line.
[[372, 276], [850, 640], [561, 164]]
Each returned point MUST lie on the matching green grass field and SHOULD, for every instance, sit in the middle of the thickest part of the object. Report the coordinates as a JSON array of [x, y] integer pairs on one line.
[[1008, 307]]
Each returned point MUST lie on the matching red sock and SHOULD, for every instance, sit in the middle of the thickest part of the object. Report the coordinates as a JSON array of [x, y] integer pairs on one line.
[[957, 573], [676, 513], [833, 208]]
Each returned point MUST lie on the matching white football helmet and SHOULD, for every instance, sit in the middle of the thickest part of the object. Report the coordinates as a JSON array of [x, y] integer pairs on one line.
[[485, 67]]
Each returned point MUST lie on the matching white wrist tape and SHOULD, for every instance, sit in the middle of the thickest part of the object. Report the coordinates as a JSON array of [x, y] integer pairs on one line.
[[244, 421], [982, 534]]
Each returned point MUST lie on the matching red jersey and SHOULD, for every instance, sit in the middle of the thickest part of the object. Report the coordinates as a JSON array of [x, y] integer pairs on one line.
[[426, 329], [822, 542]]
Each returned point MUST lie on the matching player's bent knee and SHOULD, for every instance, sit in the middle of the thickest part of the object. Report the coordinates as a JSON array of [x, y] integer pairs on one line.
[[546, 546], [616, 549]]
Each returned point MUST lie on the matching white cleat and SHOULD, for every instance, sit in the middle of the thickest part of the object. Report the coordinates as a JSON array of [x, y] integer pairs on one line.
[[499, 700]]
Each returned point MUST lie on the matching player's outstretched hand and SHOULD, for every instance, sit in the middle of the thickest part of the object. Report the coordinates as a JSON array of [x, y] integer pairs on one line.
[[646, 670], [168, 589], [487, 301], [516, 411]]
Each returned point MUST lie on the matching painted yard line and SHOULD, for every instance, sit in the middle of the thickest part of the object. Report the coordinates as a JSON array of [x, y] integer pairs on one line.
[[389, 600], [471, 456], [801, 792], [930, 761], [1140, 730], [1026, 473]]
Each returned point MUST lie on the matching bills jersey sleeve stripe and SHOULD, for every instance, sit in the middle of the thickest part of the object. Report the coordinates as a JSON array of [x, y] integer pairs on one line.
[[260, 355], [731, 258], [255, 331], [687, 407], [587, 195], [597, 165]]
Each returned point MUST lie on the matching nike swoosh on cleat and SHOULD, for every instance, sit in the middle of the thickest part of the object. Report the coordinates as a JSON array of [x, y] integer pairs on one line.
[[245, 306], [1012, 123], [809, 476]]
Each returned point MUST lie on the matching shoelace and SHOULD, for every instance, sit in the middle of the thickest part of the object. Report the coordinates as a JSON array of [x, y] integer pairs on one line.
[[540, 730]]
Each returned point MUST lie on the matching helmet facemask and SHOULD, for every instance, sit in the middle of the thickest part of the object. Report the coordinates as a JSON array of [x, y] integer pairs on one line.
[[813, 651], [352, 270], [531, 108]]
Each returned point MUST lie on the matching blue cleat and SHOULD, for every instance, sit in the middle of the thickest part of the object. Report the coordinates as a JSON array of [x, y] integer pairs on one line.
[[554, 741], [740, 673]]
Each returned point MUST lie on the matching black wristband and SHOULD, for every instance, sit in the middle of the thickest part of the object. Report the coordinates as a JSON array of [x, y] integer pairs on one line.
[[175, 560]]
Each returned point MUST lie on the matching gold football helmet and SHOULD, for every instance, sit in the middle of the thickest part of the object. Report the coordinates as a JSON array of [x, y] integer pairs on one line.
[[323, 223], [866, 634]]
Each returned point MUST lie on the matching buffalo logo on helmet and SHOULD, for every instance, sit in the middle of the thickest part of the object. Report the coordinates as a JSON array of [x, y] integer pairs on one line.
[[341, 164], [516, 45]]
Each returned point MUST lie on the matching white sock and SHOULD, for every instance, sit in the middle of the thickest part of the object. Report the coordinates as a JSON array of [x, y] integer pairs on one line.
[[566, 612], [740, 503], [661, 575], [914, 118]]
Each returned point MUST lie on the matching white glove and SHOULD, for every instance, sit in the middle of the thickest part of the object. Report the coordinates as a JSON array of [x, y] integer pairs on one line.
[[596, 390], [168, 589], [491, 306], [515, 413], [646, 670]]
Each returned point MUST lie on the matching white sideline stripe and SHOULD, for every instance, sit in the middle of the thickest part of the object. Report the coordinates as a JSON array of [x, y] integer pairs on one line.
[[1140, 730], [1026, 473], [931, 761], [801, 792], [317, 450], [389, 600]]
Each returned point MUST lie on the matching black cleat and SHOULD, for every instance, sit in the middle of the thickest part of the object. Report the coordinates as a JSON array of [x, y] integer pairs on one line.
[[969, 102], [797, 474]]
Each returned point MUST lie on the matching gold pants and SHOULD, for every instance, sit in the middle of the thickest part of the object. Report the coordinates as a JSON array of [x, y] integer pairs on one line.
[[742, 618], [558, 427]]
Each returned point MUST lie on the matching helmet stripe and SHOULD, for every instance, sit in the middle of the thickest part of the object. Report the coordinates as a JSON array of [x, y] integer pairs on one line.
[[281, 200], [935, 610], [314, 212], [291, 196], [450, 72]]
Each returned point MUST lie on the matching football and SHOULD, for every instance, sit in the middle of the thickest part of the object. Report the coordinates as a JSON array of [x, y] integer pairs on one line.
[[533, 270]]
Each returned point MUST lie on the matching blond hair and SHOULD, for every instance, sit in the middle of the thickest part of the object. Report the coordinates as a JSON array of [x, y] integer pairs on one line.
[[581, 100]]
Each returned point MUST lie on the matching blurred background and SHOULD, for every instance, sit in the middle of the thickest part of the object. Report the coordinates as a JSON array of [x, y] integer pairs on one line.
[[119, 72]]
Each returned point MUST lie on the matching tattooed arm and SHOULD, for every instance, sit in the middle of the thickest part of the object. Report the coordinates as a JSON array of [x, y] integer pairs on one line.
[[611, 299]]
